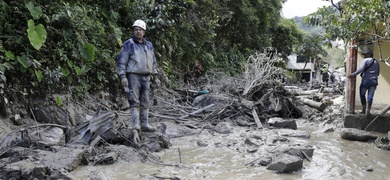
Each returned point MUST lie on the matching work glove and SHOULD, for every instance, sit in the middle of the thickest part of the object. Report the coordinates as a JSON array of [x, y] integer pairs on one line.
[[125, 82], [156, 81]]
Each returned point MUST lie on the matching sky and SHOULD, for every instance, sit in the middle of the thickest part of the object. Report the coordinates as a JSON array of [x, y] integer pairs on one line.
[[294, 8]]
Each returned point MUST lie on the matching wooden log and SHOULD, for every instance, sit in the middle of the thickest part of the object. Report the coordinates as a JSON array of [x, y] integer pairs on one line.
[[309, 92], [328, 90], [298, 92], [256, 117], [291, 87], [314, 104]]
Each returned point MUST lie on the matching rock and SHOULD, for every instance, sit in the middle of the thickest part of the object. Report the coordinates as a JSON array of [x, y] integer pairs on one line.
[[282, 123], [39, 172], [223, 128], [201, 143], [51, 114], [265, 161], [48, 136], [296, 150], [301, 151], [61, 174], [285, 163], [65, 158], [356, 135], [14, 172]]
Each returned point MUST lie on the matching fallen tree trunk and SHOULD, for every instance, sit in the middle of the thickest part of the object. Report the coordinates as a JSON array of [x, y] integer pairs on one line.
[[314, 104]]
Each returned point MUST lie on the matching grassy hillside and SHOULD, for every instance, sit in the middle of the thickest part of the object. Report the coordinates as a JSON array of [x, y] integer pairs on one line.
[[307, 28]]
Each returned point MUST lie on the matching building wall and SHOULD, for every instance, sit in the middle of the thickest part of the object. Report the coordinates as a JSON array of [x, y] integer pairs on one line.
[[292, 63], [382, 93]]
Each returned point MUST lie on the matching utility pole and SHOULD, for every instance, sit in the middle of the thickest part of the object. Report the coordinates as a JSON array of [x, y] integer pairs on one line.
[[350, 85]]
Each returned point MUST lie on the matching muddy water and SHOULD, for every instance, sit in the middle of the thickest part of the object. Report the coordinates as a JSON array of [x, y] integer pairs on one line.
[[225, 158]]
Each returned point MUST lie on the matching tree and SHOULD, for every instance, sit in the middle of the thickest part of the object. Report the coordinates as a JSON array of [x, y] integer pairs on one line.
[[311, 48], [286, 36], [349, 20], [250, 23]]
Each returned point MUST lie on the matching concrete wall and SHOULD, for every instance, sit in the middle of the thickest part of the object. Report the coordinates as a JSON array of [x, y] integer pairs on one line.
[[294, 65], [357, 121], [382, 93]]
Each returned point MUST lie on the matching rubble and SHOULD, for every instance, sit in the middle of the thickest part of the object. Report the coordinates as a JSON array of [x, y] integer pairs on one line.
[[265, 106]]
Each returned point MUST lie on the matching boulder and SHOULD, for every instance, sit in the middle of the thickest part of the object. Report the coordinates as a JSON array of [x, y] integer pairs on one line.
[[282, 123], [356, 135], [51, 114], [285, 163]]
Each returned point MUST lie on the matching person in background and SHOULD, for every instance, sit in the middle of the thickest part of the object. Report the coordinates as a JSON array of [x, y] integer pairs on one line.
[[325, 74], [369, 71], [137, 67], [332, 78]]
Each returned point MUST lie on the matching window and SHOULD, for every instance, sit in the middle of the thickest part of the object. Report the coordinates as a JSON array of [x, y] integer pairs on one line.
[[301, 59]]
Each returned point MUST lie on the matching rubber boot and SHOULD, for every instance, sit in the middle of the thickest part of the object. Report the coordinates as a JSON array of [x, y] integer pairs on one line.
[[368, 109], [135, 118], [145, 121], [363, 109]]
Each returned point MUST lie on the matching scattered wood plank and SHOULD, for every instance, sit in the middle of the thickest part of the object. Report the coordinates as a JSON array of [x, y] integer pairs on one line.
[[257, 120]]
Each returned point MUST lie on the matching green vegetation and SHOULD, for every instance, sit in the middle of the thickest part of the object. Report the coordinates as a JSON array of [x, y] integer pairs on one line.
[[316, 43], [354, 20], [70, 46], [306, 27], [335, 57]]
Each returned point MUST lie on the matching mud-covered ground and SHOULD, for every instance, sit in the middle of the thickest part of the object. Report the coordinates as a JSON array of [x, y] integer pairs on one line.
[[228, 123]]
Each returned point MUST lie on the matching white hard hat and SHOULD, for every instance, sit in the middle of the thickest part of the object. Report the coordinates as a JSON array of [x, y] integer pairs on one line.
[[140, 24]]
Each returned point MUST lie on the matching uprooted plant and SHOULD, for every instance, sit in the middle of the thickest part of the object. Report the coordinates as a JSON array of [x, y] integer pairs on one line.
[[261, 68]]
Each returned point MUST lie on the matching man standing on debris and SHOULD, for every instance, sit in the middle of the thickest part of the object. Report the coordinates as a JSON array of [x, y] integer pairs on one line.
[[137, 67], [325, 74], [369, 71]]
